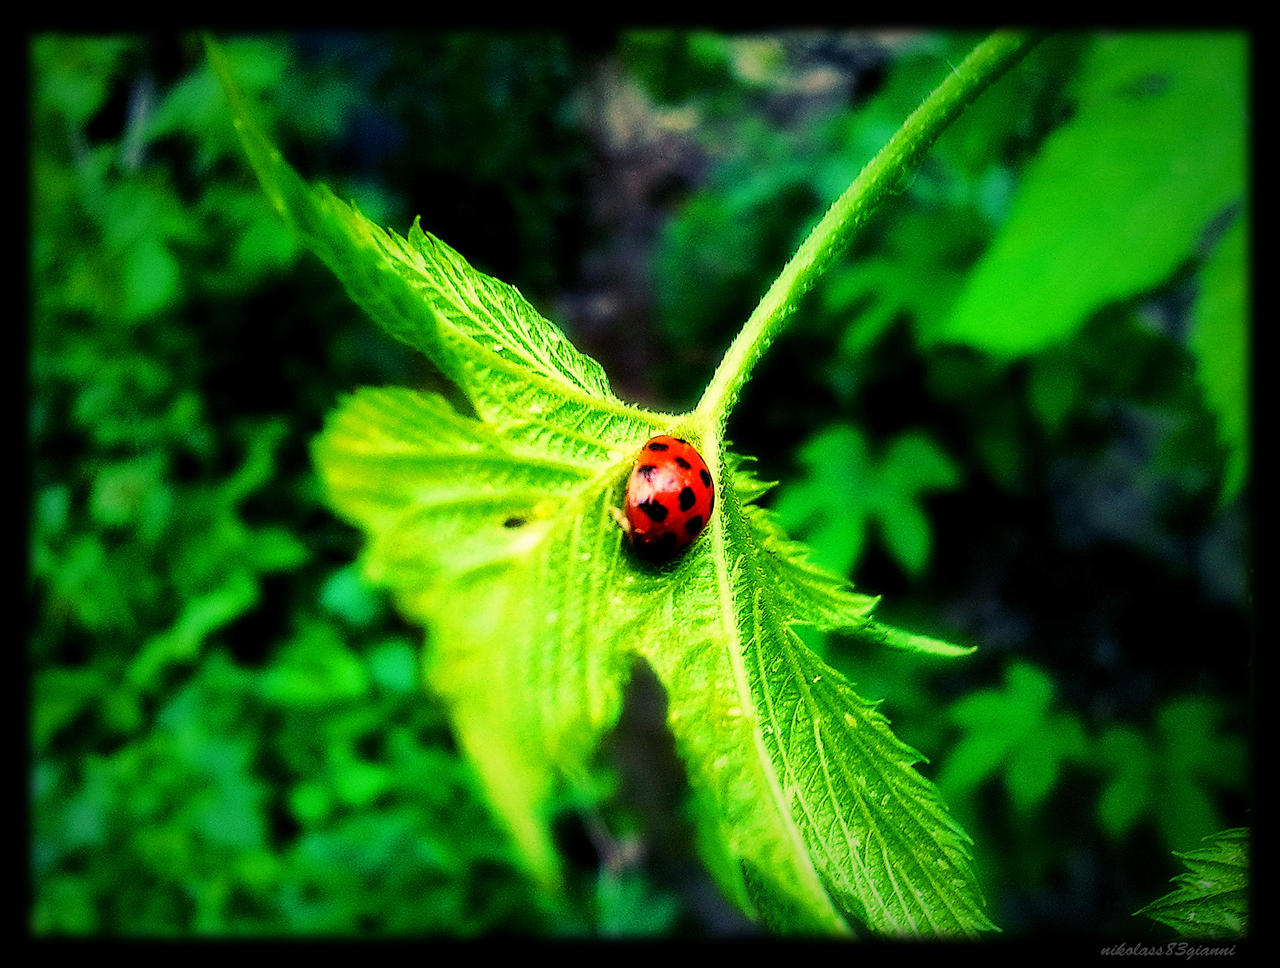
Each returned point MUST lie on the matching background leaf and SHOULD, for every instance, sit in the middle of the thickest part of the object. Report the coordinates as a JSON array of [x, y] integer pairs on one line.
[[1219, 339], [1170, 776], [1016, 731], [849, 489], [1118, 197]]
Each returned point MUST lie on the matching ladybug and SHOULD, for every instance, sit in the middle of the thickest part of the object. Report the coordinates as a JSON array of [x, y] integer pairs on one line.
[[669, 498]]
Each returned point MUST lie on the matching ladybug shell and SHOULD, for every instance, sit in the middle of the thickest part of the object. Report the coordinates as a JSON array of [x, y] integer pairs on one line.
[[669, 497]]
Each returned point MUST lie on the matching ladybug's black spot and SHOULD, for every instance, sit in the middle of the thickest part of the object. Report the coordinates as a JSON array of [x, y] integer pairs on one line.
[[646, 471], [706, 476], [655, 510], [693, 525], [683, 463], [665, 545], [686, 498], [513, 522], [656, 445], [683, 441]]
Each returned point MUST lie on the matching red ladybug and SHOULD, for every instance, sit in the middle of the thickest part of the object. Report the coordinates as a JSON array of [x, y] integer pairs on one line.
[[669, 498]]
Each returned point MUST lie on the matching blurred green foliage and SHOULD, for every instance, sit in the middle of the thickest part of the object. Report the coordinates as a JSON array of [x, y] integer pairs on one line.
[[1013, 732], [228, 733], [847, 488], [1171, 772], [227, 730]]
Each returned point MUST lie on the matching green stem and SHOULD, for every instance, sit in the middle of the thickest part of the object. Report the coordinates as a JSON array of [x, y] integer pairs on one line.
[[881, 177]]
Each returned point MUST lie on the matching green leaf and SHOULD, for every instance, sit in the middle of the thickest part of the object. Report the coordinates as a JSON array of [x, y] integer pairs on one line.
[[72, 75], [1119, 196], [1128, 794], [912, 465], [832, 505], [847, 488], [59, 696], [315, 668], [133, 492], [393, 665], [1212, 898], [346, 594], [1199, 756], [495, 529], [149, 279], [201, 616], [1169, 777], [836, 776], [1016, 731], [1035, 765], [1219, 339]]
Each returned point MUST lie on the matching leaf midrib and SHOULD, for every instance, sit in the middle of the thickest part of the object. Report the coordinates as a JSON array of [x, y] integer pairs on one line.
[[746, 701]]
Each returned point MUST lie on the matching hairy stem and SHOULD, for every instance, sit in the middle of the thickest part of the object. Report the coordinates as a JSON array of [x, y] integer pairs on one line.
[[881, 177]]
